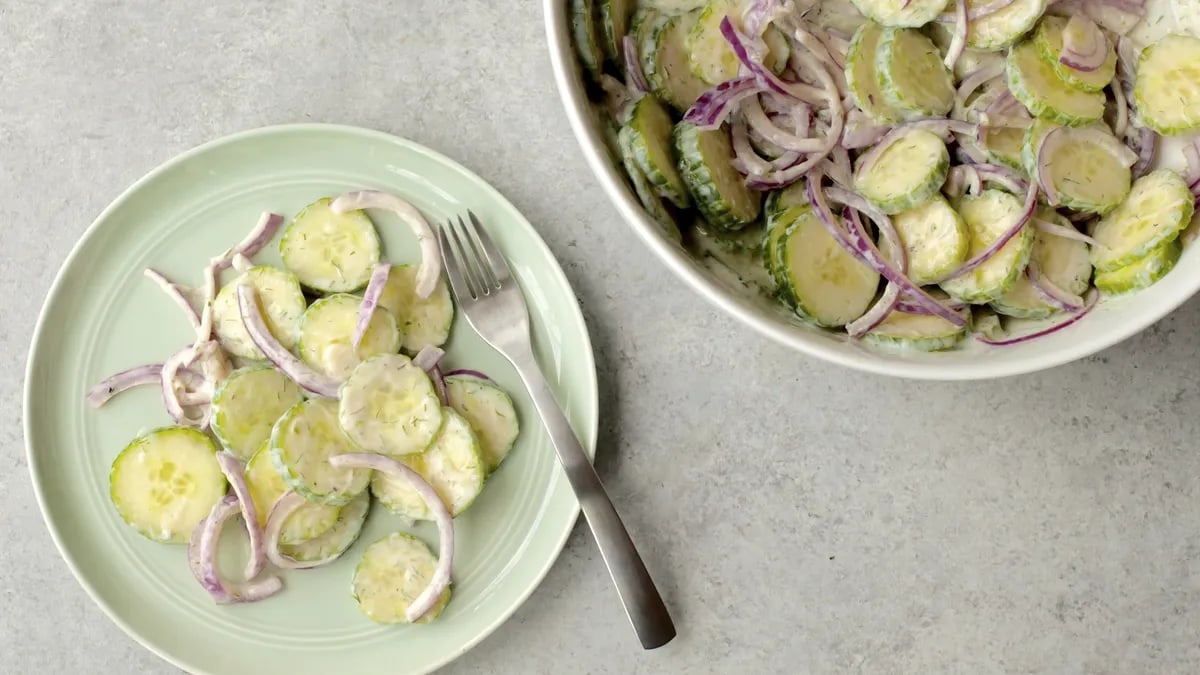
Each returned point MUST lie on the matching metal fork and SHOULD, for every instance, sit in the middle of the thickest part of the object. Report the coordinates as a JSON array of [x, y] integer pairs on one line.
[[495, 307]]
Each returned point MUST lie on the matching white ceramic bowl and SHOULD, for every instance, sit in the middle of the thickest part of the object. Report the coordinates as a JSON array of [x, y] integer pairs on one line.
[[1110, 322]]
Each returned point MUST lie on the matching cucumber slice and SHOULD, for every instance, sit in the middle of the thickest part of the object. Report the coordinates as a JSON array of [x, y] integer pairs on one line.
[[1003, 145], [645, 192], [423, 322], [908, 173], [388, 406], [247, 404], [165, 482], [820, 280], [780, 201], [665, 59], [911, 74], [720, 192], [988, 216], [1142, 273], [711, 57], [1064, 262], [901, 13], [1158, 207], [586, 37], [1166, 89], [267, 486], [1035, 84], [935, 239], [918, 332], [615, 16], [282, 302], [394, 570], [453, 465], [784, 207], [337, 539], [1031, 144], [303, 441], [1086, 176], [489, 411], [327, 335], [649, 138], [330, 252], [862, 78], [1049, 40], [1000, 30]]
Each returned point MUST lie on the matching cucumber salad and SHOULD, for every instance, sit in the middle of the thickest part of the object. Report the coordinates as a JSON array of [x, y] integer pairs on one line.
[[298, 401], [911, 172]]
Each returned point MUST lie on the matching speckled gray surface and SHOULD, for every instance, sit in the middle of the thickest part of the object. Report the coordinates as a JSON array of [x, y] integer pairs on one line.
[[800, 518]]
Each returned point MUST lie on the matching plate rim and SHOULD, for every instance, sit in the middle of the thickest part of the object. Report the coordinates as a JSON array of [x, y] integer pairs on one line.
[[56, 288]]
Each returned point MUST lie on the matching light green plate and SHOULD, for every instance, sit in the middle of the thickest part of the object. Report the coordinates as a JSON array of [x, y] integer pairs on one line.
[[102, 316]]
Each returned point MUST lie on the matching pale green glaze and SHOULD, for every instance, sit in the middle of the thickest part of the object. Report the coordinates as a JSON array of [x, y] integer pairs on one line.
[[102, 316]]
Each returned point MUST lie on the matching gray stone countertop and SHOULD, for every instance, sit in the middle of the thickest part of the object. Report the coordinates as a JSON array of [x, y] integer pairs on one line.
[[800, 518]]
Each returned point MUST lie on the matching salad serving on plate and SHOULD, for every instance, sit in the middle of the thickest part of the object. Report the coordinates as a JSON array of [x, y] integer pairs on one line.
[[909, 173]]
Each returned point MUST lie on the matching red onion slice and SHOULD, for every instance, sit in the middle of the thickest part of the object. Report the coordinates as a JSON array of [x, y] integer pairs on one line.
[[285, 361], [428, 358], [445, 524], [1063, 231], [798, 90], [170, 396], [745, 159], [1089, 304], [264, 230], [876, 314], [1084, 46], [280, 511], [235, 473], [202, 559], [469, 373], [985, 255], [713, 107], [758, 120], [1051, 292], [439, 385], [1001, 176], [1121, 122], [173, 291], [976, 12], [958, 43], [431, 256], [633, 65], [106, 389], [366, 310]]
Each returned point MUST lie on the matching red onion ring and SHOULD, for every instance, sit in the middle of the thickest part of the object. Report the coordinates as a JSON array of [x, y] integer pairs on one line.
[[439, 385], [958, 43], [445, 524], [104, 390], [798, 90], [428, 358], [235, 473], [264, 230], [431, 256], [173, 291], [280, 511], [710, 110], [1063, 231], [370, 300], [287, 363], [633, 65], [1089, 304], [170, 397], [745, 159], [976, 13], [1084, 46], [202, 559], [469, 373]]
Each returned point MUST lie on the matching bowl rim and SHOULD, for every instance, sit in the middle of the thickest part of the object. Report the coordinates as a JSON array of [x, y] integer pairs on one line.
[[568, 80]]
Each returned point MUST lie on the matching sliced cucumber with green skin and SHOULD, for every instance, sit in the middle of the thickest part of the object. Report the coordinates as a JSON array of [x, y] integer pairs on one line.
[[327, 335], [335, 540], [247, 404], [330, 252], [900, 13], [1001, 29], [388, 405], [489, 411], [423, 322], [1063, 262], [988, 216], [1035, 84], [780, 201], [267, 486], [778, 221], [650, 140], [1086, 176], [711, 57], [1158, 207], [301, 444], [1049, 40], [822, 281], [453, 465], [719, 191], [863, 79], [393, 571], [1166, 90], [1142, 273], [651, 202], [1003, 145], [586, 37], [934, 237], [665, 60], [165, 482], [917, 332], [615, 16], [1031, 144], [282, 303], [911, 74], [908, 172]]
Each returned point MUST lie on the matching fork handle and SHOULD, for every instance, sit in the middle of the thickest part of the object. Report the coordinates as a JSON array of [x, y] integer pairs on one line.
[[641, 599]]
